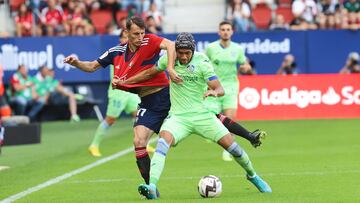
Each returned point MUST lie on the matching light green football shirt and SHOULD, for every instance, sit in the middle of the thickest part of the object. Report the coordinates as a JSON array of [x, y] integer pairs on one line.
[[188, 96], [226, 60]]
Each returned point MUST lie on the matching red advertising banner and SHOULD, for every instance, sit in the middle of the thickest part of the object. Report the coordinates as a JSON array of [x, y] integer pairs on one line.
[[268, 97]]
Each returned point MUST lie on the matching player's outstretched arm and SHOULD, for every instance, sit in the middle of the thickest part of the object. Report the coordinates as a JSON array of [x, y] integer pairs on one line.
[[87, 66], [169, 46], [140, 77], [215, 89]]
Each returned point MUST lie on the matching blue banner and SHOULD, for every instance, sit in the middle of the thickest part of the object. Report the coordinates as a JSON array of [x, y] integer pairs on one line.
[[266, 49], [51, 51], [315, 51], [327, 51]]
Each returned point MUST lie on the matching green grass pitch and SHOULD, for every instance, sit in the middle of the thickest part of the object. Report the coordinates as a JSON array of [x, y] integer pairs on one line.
[[302, 160]]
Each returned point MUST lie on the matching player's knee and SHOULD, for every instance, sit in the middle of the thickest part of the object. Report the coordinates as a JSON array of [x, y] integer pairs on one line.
[[167, 136], [139, 142], [226, 141], [235, 150]]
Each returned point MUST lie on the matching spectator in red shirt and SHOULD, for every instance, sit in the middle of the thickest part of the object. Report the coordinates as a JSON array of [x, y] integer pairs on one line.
[[52, 18], [24, 21], [4, 106]]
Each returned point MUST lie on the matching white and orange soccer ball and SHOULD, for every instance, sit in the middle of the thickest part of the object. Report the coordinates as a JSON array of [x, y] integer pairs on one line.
[[210, 186]]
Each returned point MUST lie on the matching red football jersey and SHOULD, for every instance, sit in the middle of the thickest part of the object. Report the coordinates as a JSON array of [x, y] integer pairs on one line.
[[144, 58], [52, 17]]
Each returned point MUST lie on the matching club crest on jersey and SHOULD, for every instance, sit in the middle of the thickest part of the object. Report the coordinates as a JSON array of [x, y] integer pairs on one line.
[[117, 67], [190, 68]]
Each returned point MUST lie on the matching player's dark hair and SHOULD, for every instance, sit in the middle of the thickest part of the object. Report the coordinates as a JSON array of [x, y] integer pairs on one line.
[[135, 20], [225, 22]]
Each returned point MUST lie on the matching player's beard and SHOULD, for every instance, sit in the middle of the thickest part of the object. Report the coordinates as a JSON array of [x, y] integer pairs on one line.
[[184, 61], [225, 38]]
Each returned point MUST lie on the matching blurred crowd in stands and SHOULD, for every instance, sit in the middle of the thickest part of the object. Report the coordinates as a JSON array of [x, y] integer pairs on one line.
[[88, 17], [82, 17], [250, 15]]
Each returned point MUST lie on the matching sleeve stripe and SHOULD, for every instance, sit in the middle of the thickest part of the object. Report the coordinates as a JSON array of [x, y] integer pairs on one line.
[[212, 78]]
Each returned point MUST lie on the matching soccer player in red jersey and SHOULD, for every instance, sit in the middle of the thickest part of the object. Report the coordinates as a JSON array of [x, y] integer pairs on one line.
[[141, 52]]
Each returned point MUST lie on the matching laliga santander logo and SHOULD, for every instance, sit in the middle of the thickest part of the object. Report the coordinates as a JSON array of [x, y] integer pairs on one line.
[[250, 98]]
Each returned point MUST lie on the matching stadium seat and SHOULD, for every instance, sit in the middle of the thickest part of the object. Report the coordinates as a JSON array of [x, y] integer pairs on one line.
[[100, 19], [262, 16], [286, 12], [120, 15], [15, 4], [87, 93]]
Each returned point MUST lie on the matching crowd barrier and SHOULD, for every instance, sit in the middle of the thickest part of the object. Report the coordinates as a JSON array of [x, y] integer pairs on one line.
[[315, 51]]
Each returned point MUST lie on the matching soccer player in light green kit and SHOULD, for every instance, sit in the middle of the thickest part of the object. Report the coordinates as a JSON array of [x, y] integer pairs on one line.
[[188, 114], [225, 55], [118, 101]]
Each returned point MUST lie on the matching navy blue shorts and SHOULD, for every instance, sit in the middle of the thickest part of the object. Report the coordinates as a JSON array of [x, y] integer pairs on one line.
[[153, 109]]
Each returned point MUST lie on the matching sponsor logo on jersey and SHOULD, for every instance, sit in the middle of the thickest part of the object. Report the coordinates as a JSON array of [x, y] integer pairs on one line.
[[188, 78]]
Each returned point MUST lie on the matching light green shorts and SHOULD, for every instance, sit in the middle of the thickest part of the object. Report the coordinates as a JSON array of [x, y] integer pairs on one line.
[[204, 124], [228, 101], [116, 105]]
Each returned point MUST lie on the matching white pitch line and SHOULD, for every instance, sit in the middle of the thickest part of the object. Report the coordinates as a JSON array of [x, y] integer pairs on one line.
[[300, 173], [4, 168], [68, 175]]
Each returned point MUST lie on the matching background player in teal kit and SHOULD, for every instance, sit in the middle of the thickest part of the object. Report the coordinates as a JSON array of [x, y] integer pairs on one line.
[[189, 115], [225, 57], [118, 101]]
